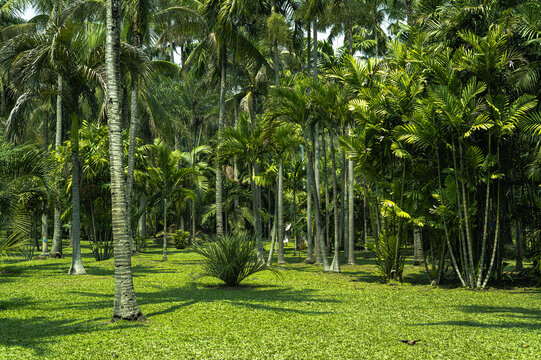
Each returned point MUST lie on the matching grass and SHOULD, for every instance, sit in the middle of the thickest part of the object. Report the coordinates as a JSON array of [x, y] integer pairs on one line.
[[304, 314]]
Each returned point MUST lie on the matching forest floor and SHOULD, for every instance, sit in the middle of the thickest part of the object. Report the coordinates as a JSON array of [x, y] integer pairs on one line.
[[301, 314]]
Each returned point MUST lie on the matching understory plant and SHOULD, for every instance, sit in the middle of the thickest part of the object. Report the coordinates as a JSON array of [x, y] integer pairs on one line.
[[230, 258]]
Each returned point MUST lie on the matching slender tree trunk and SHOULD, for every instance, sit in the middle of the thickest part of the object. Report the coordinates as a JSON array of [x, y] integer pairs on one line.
[[310, 243], [56, 250], [125, 304], [518, 245], [485, 227], [221, 120], [295, 218], [274, 230], [315, 72], [445, 228], [77, 267], [44, 217], [335, 265], [143, 218], [417, 246], [343, 224], [134, 120], [280, 222], [351, 239], [164, 258], [326, 189], [193, 221], [319, 224], [317, 210], [496, 239], [309, 49], [255, 209]]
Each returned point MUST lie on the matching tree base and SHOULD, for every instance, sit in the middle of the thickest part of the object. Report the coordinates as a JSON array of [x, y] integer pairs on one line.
[[136, 317], [309, 261]]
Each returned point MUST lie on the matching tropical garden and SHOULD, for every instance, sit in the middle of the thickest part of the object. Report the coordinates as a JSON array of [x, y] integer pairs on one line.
[[370, 169]]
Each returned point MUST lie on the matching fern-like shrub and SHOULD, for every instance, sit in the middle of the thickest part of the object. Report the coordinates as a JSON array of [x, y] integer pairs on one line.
[[230, 258]]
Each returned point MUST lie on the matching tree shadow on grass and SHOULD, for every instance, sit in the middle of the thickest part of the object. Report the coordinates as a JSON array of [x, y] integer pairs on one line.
[[258, 298], [531, 318], [37, 333]]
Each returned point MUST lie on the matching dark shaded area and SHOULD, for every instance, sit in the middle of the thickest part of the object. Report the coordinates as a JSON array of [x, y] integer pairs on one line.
[[524, 318], [257, 298], [37, 333]]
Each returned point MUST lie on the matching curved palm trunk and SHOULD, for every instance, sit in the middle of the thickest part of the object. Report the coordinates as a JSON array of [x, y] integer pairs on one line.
[[335, 265], [280, 222], [77, 267], [219, 207], [125, 304], [255, 209], [56, 249]]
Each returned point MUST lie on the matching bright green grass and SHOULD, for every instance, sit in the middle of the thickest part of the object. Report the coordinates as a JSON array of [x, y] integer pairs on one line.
[[303, 314]]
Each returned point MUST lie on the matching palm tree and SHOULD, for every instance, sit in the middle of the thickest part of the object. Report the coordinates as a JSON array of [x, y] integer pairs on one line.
[[125, 304], [163, 168], [248, 143]]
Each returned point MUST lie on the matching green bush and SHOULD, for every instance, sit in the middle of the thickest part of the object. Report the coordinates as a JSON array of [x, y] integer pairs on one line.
[[230, 258], [385, 257], [141, 243], [181, 239]]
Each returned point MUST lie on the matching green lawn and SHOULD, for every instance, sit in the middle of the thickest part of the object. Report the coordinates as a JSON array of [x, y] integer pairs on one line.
[[304, 314]]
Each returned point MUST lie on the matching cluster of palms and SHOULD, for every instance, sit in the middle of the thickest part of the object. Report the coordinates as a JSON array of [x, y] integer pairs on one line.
[[423, 132]]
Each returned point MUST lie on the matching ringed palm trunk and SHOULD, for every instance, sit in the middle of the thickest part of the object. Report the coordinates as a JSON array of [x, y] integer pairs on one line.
[[335, 265], [125, 304], [280, 222], [315, 180], [221, 119], [351, 240], [56, 250], [131, 156], [77, 267], [310, 243]]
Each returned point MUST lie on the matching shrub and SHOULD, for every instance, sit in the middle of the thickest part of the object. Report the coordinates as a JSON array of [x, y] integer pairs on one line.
[[181, 239], [230, 258], [141, 243], [385, 257]]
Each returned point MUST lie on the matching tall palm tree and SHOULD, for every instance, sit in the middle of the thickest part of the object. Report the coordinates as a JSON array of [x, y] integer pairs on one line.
[[125, 304]]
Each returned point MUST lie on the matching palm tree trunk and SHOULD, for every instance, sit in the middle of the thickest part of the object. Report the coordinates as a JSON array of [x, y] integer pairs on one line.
[[77, 267], [342, 229], [309, 48], [131, 158], [315, 70], [56, 250], [193, 221], [445, 228], [351, 240], [310, 243], [274, 230], [518, 245], [125, 304], [221, 120], [326, 189], [44, 217], [317, 210], [417, 246], [255, 209], [280, 222], [319, 222], [164, 258], [335, 265], [295, 218]]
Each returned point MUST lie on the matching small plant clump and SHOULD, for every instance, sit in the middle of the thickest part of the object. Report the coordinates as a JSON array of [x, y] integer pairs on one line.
[[181, 239], [230, 258]]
